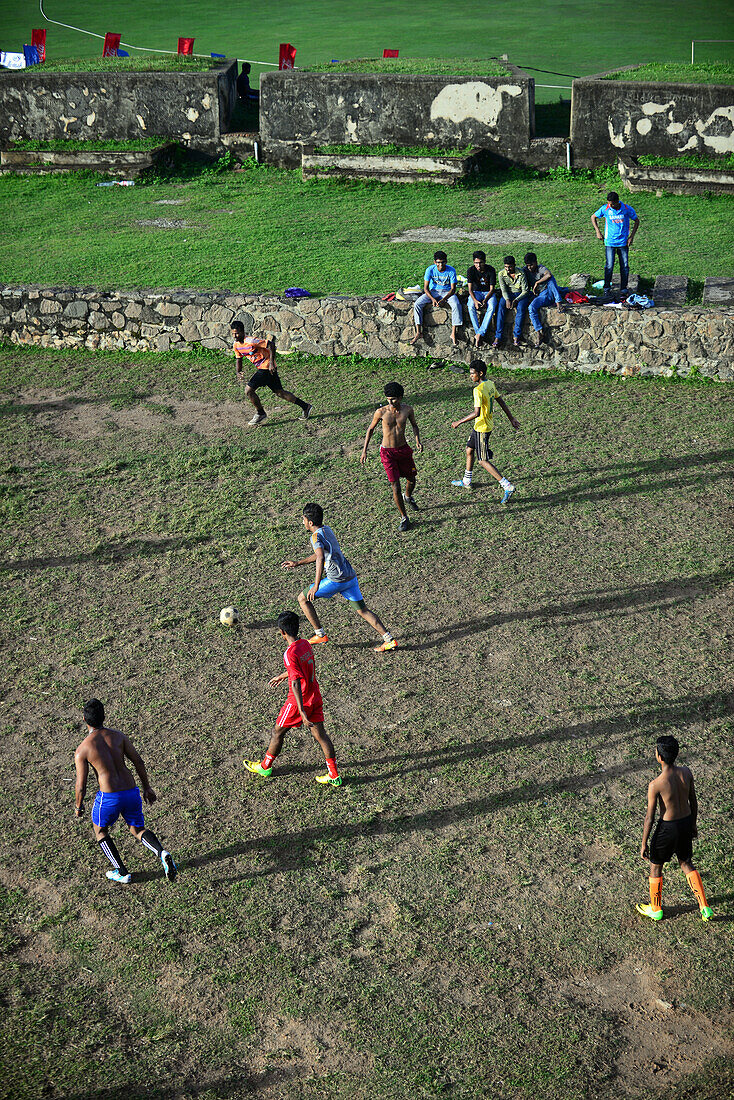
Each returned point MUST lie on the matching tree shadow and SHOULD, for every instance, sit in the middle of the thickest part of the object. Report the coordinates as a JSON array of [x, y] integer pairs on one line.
[[656, 594], [289, 846], [109, 552], [606, 487], [10, 408], [225, 1087]]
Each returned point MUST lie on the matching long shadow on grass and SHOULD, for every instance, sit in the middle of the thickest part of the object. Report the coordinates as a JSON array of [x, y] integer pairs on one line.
[[290, 844], [606, 487], [615, 471], [225, 1087], [109, 551], [656, 594]]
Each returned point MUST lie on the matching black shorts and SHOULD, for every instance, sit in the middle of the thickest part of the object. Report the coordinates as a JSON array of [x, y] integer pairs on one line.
[[479, 443], [265, 377], [672, 838]]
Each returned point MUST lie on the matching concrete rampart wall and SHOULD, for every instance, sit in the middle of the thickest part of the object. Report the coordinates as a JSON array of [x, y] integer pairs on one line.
[[192, 106], [377, 108], [609, 117], [587, 339]]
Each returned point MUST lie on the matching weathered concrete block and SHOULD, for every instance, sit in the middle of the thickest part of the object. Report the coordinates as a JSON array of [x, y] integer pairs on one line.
[[718, 290], [670, 290]]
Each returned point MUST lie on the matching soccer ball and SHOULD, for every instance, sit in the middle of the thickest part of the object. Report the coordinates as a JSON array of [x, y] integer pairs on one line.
[[229, 616]]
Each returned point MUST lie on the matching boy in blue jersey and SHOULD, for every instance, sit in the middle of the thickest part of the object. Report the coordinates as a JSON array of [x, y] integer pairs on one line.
[[618, 236], [334, 577], [439, 288]]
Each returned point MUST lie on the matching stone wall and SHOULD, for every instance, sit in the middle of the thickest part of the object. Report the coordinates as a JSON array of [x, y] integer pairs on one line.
[[495, 113], [192, 106], [657, 341], [609, 117]]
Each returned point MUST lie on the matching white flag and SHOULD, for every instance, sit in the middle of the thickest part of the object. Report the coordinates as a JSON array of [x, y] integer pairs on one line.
[[12, 60]]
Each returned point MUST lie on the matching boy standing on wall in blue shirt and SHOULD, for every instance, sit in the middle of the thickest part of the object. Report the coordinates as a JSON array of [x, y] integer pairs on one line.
[[618, 236], [439, 288]]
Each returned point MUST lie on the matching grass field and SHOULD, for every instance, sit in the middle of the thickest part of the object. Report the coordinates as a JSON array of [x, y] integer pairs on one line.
[[570, 38], [263, 230], [458, 919]]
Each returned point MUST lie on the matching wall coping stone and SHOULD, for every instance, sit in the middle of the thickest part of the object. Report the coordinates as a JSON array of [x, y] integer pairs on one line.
[[660, 341]]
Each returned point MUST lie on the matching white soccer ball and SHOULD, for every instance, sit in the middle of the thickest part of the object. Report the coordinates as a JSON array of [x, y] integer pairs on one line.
[[228, 616]]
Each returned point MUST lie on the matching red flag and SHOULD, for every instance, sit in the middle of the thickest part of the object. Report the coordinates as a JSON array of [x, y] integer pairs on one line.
[[390, 53], [186, 46], [111, 42], [38, 39], [287, 56]]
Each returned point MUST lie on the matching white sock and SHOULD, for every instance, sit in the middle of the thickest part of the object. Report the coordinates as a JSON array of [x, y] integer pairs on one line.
[[320, 632], [387, 636], [467, 477], [506, 484]]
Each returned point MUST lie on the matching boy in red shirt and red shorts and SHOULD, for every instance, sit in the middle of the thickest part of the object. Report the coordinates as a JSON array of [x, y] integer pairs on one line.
[[304, 703]]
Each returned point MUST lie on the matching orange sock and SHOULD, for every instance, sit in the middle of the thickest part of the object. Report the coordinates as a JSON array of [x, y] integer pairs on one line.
[[694, 881], [656, 893], [331, 768]]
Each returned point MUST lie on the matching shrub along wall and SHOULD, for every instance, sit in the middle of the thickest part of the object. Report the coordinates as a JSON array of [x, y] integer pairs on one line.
[[609, 117], [192, 106], [655, 341]]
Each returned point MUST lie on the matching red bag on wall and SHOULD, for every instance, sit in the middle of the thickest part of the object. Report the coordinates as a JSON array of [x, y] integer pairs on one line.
[[287, 56], [111, 42], [186, 46], [38, 39]]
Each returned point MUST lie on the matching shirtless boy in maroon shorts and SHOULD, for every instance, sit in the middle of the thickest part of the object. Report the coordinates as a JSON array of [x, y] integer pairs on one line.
[[396, 455]]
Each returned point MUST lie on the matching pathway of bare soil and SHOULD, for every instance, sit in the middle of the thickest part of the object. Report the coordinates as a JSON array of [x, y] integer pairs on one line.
[[458, 919]]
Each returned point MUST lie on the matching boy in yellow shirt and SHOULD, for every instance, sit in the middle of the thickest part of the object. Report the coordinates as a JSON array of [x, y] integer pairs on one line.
[[485, 394]]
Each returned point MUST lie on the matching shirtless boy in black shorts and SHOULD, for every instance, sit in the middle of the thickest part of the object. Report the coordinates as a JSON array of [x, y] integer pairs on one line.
[[105, 750], [261, 354], [674, 793], [395, 454]]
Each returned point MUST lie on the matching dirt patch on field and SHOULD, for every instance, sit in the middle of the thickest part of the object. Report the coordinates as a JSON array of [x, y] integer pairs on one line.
[[431, 234], [663, 1040], [71, 418]]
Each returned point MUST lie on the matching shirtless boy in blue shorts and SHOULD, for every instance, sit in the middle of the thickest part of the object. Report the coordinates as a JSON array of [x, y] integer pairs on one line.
[[105, 750], [334, 577]]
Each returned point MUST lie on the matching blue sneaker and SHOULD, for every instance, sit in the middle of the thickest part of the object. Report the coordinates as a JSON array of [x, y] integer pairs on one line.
[[508, 493], [169, 867], [117, 876], [460, 482]]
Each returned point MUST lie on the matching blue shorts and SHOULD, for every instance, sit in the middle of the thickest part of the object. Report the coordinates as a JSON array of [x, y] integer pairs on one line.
[[348, 589], [108, 807]]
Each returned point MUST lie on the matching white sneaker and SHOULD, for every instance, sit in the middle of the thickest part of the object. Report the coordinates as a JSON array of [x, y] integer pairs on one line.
[[257, 419]]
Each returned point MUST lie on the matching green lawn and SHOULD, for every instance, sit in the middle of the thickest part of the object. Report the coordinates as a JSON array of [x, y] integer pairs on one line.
[[571, 39], [458, 919], [145, 63], [679, 74], [263, 230]]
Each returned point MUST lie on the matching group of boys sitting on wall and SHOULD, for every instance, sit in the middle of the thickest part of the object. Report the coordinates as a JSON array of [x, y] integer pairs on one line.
[[526, 291]]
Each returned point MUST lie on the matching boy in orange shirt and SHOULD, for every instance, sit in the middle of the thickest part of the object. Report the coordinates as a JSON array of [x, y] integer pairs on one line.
[[261, 354]]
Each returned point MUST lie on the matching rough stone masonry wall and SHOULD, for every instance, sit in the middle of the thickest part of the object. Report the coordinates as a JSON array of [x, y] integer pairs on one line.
[[297, 108], [192, 106], [655, 341], [609, 117]]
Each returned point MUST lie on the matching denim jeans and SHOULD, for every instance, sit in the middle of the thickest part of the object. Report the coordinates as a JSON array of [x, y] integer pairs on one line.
[[453, 304], [520, 312], [549, 295], [481, 296], [624, 266]]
